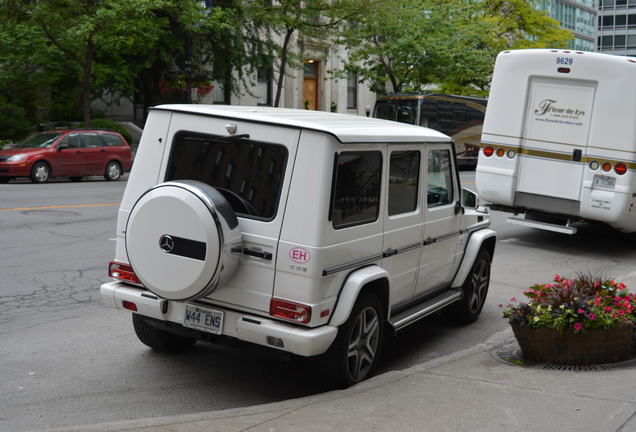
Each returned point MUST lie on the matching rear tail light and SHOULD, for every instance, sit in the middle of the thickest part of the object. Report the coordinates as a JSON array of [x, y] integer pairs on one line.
[[607, 167], [594, 165], [129, 305], [511, 154], [488, 151], [501, 152], [122, 271], [290, 311], [620, 168]]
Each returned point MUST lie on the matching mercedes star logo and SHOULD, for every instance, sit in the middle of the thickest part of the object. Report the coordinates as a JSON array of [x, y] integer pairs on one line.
[[166, 243]]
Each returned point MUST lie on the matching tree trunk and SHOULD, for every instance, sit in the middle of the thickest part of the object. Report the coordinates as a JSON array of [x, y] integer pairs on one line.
[[283, 64], [87, 83]]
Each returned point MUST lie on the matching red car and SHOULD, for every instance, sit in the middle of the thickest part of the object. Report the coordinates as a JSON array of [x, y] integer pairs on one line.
[[67, 153]]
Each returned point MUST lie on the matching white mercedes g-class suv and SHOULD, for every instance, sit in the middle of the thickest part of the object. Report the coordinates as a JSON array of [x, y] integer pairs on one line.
[[309, 232]]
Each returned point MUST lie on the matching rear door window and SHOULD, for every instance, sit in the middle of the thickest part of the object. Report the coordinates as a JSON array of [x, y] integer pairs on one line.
[[404, 173], [90, 140], [440, 178], [248, 173], [356, 188]]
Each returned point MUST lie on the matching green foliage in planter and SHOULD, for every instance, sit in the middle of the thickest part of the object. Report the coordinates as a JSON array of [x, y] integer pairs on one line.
[[586, 302]]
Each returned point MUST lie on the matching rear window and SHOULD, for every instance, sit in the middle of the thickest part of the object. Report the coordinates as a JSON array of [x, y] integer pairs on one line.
[[248, 173]]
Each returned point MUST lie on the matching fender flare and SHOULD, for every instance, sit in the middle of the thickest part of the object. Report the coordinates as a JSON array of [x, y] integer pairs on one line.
[[351, 289], [475, 243]]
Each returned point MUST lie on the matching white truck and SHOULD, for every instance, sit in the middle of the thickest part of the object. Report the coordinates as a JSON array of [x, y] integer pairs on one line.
[[559, 139]]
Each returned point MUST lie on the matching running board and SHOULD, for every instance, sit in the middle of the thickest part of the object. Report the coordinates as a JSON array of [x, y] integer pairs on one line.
[[424, 309], [564, 229]]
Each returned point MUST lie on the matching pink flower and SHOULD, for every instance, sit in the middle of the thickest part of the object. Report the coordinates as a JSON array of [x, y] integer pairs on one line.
[[597, 285], [513, 299], [580, 311], [597, 301], [557, 277], [621, 286], [591, 316], [608, 309], [621, 312], [578, 326], [500, 305], [613, 282]]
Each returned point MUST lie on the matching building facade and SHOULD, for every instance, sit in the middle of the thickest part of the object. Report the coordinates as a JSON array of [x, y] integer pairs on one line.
[[578, 16], [617, 27]]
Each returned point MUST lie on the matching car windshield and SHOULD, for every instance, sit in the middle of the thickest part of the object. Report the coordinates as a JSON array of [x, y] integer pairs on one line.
[[44, 139]]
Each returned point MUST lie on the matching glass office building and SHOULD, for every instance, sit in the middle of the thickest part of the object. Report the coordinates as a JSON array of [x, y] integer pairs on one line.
[[578, 16], [617, 27]]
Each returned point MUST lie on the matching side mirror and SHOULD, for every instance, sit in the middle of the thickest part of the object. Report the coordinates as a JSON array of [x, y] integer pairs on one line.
[[470, 199]]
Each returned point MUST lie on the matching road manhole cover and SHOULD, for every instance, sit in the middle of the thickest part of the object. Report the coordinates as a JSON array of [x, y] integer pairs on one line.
[[509, 353]]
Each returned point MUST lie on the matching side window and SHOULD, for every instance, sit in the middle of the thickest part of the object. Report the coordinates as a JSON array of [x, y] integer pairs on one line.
[[356, 188], [110, 140], [404, 173], [439, 186], [91, 140], [71, 141]]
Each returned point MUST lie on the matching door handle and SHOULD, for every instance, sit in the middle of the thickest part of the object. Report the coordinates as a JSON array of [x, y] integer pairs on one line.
[[389, 253], [258, 254]]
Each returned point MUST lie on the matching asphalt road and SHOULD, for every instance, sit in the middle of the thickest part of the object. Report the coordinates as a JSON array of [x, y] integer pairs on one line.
[[67, 360]]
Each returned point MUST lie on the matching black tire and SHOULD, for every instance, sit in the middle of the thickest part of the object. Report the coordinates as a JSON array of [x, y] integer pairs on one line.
[[113, 171], [4, 180], [160, 340], [354, 354], [76, 178], [40, 172], [474, 291]]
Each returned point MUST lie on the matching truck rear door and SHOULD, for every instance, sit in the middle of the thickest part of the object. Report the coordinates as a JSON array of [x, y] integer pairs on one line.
[[555, 137]]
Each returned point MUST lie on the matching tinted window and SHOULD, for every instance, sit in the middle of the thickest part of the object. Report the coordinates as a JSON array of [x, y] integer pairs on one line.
[[356, 192], [407, 112], [91, 140], [72, 141], [384, 110], [110, 140], [248, 173], [403, 179], [440, 178]]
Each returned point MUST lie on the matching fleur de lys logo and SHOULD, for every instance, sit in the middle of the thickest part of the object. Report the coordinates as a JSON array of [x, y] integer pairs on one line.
[[544, 106]]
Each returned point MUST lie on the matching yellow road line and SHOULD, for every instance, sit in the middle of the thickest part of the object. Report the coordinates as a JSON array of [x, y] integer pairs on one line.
[[60, 207]]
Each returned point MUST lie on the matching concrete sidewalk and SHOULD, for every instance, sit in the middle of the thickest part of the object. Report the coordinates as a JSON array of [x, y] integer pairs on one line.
[[468, 391]]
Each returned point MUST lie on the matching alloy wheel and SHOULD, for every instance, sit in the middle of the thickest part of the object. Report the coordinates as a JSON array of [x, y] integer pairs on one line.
[[479, 282], [363, 344]]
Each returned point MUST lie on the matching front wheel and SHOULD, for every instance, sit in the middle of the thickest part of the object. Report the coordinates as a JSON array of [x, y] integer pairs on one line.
[[159, 340], [113, 171], [40, 172], [474, 291], [354, 354]]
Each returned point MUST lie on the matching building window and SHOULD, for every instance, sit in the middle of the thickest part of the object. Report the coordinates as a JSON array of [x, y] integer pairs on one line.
[[264, 86], [218, 94], [352, 90]]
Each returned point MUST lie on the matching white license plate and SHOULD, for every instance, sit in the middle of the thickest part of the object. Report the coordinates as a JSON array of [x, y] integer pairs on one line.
[[202, 318], [603, 181]]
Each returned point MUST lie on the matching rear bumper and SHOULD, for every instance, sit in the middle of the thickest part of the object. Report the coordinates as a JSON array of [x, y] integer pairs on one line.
[[246, 327]]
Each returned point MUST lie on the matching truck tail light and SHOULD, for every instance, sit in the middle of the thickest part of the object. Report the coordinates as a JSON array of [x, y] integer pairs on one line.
[[488, 151], [607, 167], [620, 168], [121, 271], [290, 311]]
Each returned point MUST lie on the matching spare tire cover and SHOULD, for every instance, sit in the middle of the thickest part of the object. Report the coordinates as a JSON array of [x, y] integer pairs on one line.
[[179, 238]]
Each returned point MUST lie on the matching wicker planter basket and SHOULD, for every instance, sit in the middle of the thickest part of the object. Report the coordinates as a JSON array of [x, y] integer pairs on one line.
[[547, 345]]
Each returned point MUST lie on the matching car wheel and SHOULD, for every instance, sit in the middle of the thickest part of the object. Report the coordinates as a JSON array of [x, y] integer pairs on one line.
[[113, 171], [474, 291], [354, 354], [5, 180], [76, 179], [159, 340], [40, 172]]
